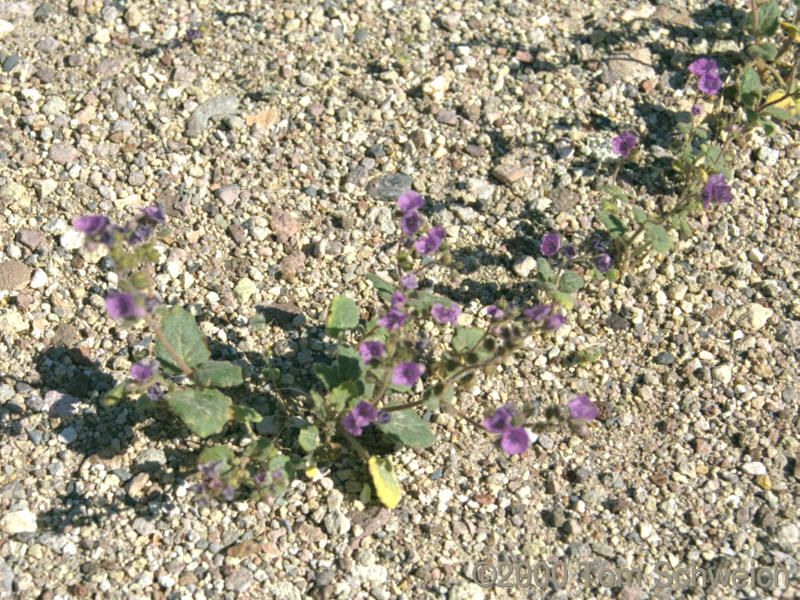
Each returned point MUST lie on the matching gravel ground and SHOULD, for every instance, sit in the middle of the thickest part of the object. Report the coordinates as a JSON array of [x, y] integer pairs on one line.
[[277, 142]]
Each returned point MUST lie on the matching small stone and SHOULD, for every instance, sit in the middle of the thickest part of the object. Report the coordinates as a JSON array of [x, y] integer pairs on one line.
[[446, 117], [10, 62], [722, 373], [763, 482], [54, 107], [336, 523], [582, 474], [546, 442], [14, 275], [244, 290], [665, 358], [5, 28], [68, 435], [524, 266], [376, 151], [214, 108], [507, 174], [283, 225], [788, 537], [45, 187], [465, 591], [18, 521], [63, 153], [239, 580], [151, 458], [389, 187], [754, 468], [30, 238], [133, 16], [248, 548], [450, 21], [39, 279], [228, 194], [102, 36], [6, 580], [755, 315]]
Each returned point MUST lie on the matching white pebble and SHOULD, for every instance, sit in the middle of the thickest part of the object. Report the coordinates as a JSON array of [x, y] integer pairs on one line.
[[38, 279], [72, 239]]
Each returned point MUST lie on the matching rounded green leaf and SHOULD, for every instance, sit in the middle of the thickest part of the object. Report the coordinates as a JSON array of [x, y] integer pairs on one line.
[[385, 481], [408, 428], [204, 411], [342, 316], [308, 438], [186, 339], [219, 373], [215, 453], [570, 282], [659, 238]]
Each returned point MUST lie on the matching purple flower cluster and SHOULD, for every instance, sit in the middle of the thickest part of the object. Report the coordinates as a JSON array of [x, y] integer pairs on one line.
[[514, 440], [716, 189], [135, 231], [407, 373], [580, 407], [212, 482], [371, 350], [708, 80], [409, 202], [143, 370], [125, 306], [362, 415], [542, 314], [444, 315], [623, 143]]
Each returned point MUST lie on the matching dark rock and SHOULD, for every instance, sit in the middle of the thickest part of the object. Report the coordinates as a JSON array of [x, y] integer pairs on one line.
[[10, 62], [617, 322], [665, 358]]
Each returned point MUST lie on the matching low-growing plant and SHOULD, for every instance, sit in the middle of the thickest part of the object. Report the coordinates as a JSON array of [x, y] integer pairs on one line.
[[415, 355]]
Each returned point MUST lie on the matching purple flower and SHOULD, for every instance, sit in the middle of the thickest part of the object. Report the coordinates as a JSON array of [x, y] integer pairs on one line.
[[709, 83], [702, 66], [602, 262], [383, 417], [90, 224], [192, 34], [407, 373], [154, 213], [227, 493], [580, 407], [350, 426], [409, 281], [697, 110], [410, 223], [494, 312], [500, 421], [398, 301], [392, 320], [408, 201], [124, 306], [444, 315], [143, 370], [140, 234], [716, 189], [371, 350], [431, 242], [623, 144], [155, 393], [260, 479], [515, 441], [210, 468], [537, 313], [599, 245], [551, 243], [554, 321], [362, 415], [569, 251]]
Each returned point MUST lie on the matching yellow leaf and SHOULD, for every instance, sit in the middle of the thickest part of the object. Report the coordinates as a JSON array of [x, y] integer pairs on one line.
[[384, 480], [786, 104], [791, 31]]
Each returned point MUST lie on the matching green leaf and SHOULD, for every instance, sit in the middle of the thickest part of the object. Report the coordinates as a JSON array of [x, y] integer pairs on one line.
[[384, 288], [765, 50], [750, 86], [544, 271], [777, 112], [612, 274], [564, 299], [342, 316], [423, 301], [769, 128], [408, 428], [215, 453], [245, 414], [714, 157], [570, 282], [639, 215], [328, 375], [768, 16], [114, 396], [588, 354], [186, 339], [349, 363], [659, 238], [436, 394], [261, 449], [205, 411], [219, 373], [385, 481], [308, 438], [611, 222], [319, 403], [466, 338], [344, 395]]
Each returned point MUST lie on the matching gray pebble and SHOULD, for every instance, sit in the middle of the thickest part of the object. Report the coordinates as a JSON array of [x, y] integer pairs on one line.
[[214, 108], [151, 457], [665, 358], [389, 187]]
